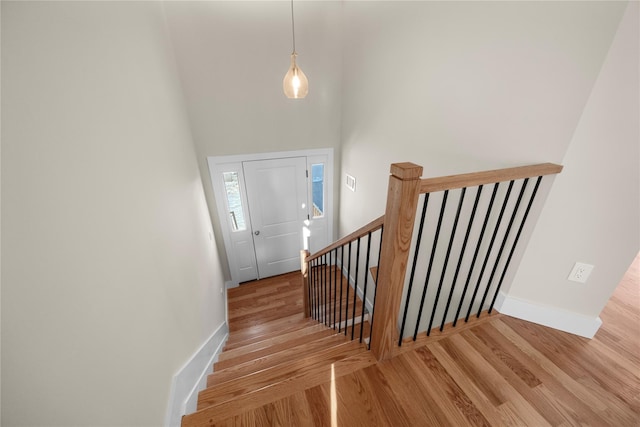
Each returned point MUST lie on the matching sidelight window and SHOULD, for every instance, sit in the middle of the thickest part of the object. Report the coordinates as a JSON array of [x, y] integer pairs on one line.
[[317, 189], [234, 201]]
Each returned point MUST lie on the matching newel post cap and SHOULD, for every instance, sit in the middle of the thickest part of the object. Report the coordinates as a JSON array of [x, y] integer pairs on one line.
[[406, 171]]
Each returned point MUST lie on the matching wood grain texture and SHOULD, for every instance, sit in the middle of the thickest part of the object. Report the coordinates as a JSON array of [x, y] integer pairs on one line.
[[402, 200], [442, 183], [299, 368], [221, 375], [304, 272], [275, 348], [499, 371], [284, 337]]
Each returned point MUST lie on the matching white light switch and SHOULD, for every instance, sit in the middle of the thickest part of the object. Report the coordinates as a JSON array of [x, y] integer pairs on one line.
[[351, 183]]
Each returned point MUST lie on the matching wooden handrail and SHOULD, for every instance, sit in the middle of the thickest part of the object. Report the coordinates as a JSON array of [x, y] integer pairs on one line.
[[361, 232], [451, 182], [405, 186]]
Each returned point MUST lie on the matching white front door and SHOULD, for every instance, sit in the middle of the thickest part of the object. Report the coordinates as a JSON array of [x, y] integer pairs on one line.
[[276, 180], [277, 201]]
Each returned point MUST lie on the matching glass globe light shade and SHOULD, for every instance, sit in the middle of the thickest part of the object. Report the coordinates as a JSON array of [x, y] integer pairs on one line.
[[295, 83]]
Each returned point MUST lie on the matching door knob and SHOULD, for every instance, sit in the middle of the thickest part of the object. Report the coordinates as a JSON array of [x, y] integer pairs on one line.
[[257, 232]]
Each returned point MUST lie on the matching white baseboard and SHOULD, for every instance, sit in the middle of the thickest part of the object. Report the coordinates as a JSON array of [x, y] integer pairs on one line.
[[192, 377], [574, 323]]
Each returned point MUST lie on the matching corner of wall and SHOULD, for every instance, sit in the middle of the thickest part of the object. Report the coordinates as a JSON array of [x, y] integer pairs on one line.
[[574, 323]]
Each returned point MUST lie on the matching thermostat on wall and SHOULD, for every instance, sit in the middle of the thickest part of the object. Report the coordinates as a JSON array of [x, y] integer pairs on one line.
[[351, 183]]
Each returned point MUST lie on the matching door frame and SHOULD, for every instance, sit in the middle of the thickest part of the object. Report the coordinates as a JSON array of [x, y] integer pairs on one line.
[[221, 164]]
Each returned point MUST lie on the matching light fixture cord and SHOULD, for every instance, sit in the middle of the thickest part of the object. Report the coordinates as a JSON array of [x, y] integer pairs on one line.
[[293, 29]]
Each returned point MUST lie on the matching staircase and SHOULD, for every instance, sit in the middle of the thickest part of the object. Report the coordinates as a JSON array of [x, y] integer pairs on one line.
[[274, 351]]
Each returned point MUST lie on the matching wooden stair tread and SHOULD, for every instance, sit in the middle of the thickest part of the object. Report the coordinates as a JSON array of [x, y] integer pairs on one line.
[[356, 333], [345, 308], [250, 288], [257, 290], [279, 339], [295, 368], [284, 356], [237, 334], [258, 397], [274, 350], [235, 340], [274, 313], [240, 309], [224, 362]]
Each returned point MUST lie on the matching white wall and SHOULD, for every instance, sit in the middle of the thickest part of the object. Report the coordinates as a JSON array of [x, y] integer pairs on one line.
[[463, 86], [593, 213], [0, 234], [110, 280], [232, 58], [466, 86]]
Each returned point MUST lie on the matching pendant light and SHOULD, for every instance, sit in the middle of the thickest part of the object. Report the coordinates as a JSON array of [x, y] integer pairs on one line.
[[295, 83]]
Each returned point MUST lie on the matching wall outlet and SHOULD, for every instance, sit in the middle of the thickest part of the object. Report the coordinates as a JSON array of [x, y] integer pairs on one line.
[[580, 272]]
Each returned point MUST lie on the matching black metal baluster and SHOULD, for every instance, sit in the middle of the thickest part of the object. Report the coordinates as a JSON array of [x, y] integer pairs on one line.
[[475, 253], [341, 285], [327, 308], [433, 252], [502, 245], [335, 284], [462, 252], [364, 291], [319, 288], [310, 284], [328, 296], [515, 242], [375, 291], [355, 291], [312, 289], [346, 302], [324, 287], [454, 228], [318, 282], [464, 247], [413, 267], [486, 258]]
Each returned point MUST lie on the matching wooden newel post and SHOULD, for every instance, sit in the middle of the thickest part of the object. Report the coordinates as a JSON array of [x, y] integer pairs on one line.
[[402, 201], [304, 269]]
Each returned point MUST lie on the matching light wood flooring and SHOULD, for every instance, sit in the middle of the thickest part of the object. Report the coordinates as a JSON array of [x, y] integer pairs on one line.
[[499, 371]]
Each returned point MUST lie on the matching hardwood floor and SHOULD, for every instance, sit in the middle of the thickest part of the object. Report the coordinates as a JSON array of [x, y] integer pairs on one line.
[[499, 371]]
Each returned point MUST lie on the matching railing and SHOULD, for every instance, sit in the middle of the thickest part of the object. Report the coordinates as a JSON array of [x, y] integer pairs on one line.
[[434, 294], [480, 236], [340, 283]]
